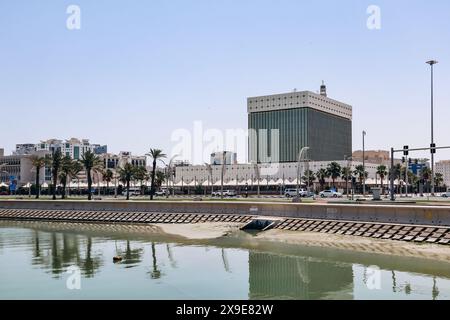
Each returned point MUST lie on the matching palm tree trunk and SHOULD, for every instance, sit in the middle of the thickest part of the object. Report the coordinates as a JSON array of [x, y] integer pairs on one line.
[[63, 191], [38, 187], [152, 187], [89, 178], [55, 181], [128, 189]]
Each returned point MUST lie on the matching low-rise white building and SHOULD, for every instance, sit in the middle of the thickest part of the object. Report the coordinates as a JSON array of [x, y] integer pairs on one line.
[[271, 174]]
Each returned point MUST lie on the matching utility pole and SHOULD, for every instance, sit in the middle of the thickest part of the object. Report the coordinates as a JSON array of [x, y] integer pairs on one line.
[[364, 164], [300, 157], [391, 175], [222, 174], [433, 151]]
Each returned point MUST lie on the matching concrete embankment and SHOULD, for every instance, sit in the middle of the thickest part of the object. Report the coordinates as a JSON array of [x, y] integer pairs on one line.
[[394, 223], [396, 214]]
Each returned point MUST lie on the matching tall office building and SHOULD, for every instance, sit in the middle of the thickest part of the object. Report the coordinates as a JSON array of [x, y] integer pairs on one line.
[[281, 125]]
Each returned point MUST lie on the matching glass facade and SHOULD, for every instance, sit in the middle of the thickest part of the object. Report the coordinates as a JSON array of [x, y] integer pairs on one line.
[[328, 136]]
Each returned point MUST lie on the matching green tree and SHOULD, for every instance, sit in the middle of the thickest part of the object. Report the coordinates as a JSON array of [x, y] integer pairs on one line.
[[141, 175], [66, 173], [312, 178], [346, 174], [155, 155], [438, 179], [91, 163], [126, 174], [322, 175], [425, 174], [38, 163], [76, 169], [159, 179], [382, 172], [334, 171], [107, 176], [360, 173], [56, 162]]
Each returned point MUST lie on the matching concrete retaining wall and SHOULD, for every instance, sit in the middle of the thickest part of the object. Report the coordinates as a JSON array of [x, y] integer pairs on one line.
[[421, 215]]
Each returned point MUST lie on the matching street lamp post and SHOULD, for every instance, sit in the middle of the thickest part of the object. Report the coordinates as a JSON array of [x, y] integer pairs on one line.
[[300, 157], [432, 63], [348, 173], [169, 175], [257, 176], [364, 164]]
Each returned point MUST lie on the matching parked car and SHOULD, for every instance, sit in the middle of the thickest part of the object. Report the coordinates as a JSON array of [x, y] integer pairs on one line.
[[446, 194], [161, 193], [290, 193], [330, 194], [226, 193], [133, 192]]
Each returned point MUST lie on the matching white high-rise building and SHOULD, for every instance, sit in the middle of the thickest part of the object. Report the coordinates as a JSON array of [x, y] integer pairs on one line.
[[443, 167], [73, 147]]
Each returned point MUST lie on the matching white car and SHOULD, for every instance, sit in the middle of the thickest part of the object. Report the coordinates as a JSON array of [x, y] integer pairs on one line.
[[226, 193], [446, 194], [330, 194], [161, 193], [290, 193]]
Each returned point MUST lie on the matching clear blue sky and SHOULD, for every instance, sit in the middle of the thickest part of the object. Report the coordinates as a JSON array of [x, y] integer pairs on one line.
[[137, 70]]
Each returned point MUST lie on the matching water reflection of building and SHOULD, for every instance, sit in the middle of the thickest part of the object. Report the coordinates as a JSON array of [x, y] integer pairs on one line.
[[299, 278]]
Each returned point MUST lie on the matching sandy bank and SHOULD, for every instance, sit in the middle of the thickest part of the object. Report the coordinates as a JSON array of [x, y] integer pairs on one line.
[[359, 244], [200, 231]]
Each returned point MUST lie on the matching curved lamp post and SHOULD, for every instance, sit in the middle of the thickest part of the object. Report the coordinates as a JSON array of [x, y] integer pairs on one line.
[[300, 158]]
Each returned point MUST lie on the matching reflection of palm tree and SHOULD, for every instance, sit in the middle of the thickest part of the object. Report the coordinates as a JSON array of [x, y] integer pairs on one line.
[[68, 254], [435, 291], [394, 282], [132, 256], [37, 250], [155, 274], [173, 263], [88, 265], [56, 259], [226, 265]]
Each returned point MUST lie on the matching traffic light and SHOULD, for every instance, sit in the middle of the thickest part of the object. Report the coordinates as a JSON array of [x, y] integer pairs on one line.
[[403, 159], [433, 148], [406, 150], [409, 161]]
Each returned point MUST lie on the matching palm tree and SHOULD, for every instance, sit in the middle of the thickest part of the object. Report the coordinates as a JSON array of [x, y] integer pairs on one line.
[[312, 177], [334, 171], [126, 174], [56, 162], [76, 169], [159, 179], [438, 179], [425, 174], [155, 154], [140, 175], [360, 173], [67, 166], [91, 163], [347, 175], [382, 172], [108, 176], [38, 163], [321, 175]]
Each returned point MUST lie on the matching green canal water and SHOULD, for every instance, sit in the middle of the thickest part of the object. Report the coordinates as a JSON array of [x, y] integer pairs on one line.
[[41, 261]]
